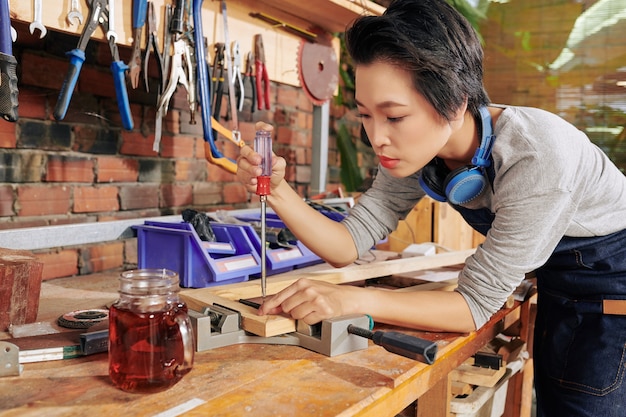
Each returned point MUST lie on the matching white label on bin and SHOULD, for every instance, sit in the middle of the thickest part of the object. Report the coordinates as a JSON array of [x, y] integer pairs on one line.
[[286, 254], [236, 264], [218, 245]]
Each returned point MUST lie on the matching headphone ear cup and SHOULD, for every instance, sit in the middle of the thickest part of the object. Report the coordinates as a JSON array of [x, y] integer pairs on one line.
[[464, 184], [432, 183]]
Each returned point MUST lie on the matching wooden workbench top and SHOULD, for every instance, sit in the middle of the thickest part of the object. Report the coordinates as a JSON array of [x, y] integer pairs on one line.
[[259, 380]]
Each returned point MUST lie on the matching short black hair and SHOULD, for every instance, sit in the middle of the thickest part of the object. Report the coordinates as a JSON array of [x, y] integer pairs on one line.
[[434, 42]]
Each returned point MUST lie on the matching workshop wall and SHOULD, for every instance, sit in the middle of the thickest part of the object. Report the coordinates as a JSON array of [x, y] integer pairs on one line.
[[86, 168]]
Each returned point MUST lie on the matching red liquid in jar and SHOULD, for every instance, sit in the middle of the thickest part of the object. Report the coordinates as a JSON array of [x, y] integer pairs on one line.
[[146, 350]]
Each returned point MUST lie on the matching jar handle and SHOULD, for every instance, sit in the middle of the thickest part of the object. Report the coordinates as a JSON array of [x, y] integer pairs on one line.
[[186, 333]]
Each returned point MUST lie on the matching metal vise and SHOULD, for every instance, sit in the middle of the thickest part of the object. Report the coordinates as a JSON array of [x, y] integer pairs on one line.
[[218, 326]]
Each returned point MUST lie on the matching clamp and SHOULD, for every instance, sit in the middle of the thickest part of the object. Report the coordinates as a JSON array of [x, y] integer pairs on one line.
[[98, 16], [218, 326]]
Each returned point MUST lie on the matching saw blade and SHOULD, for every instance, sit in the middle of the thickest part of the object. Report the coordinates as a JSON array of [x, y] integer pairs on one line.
[[318, 69]]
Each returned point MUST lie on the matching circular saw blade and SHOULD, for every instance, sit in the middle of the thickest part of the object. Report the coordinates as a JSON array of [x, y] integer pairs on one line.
[[318, 69]]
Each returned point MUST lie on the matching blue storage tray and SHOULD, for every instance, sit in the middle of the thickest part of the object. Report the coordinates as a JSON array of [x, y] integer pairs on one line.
[[177, 246]]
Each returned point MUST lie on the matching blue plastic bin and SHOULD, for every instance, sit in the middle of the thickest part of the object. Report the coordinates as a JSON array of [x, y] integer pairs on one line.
[[177, 246], [279, 259]]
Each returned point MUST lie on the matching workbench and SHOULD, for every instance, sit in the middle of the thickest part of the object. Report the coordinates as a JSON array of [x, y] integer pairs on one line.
[[250, 379]]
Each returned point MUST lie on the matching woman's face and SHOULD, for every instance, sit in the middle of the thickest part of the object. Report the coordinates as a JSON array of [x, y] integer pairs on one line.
[[404, 129]]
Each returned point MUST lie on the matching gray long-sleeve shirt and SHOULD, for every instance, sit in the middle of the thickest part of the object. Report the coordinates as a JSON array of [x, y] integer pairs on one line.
[[550, 181]]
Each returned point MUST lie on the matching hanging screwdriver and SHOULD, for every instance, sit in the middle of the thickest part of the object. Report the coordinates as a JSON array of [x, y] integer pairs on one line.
[[399, 343], [263, 146]]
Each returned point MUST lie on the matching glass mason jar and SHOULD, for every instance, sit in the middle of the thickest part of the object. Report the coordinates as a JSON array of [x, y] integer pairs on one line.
[[151, 343]]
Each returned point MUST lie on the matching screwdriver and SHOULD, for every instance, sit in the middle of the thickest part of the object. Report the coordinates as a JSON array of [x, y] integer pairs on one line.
[[263, 146], [399, 343]]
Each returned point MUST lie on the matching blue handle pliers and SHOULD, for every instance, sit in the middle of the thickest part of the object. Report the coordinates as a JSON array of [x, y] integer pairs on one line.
[[98, 16]]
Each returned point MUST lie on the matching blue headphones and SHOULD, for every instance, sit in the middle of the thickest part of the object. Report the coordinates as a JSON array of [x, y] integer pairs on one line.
[[467, 182]]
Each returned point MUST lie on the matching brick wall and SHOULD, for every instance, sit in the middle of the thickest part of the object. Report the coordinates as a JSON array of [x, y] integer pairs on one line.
[[86, 168]]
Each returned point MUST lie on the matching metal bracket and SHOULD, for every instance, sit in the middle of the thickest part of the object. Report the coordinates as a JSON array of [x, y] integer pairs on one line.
[[10, 360]]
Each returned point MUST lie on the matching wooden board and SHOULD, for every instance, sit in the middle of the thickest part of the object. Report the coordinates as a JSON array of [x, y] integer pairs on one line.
[[20, 286], [475, 375], [266, 326]]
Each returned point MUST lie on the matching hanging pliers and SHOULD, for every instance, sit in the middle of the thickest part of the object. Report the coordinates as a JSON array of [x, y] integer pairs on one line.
[[262, 78], [152, 41], [139, 19], [237, 80], [98, 16], [249, 75]]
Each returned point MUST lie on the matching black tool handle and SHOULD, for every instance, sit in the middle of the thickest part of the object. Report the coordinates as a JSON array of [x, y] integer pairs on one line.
[[8, 88], [401, 344], [176, 24]]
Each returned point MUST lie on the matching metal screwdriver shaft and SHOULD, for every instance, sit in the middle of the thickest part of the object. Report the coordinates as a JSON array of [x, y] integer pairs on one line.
[[263, 146]]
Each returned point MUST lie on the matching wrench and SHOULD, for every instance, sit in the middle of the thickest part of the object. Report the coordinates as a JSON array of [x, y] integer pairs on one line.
[[36, 24], [74, 13], [111, 34]]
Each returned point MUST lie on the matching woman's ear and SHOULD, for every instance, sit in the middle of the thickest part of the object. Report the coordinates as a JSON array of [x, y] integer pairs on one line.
[[459, 116]]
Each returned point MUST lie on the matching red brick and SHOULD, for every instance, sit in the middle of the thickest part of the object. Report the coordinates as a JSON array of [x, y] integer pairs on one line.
[[21, 223], [8, 139], [171, 122], [235, 193], [304, 121], [69, 169], [102, 257], [93, 199], [35, 200], [116, 169], [139, 197], [174, 195], [96, 81], [248, 130], [134, 143], [293, 137], [287, 96], [177, 147], [59, 221], [132, 215], [191, 170], [43, 71], [6, 200], [32, 104], [207, 194], [305, 104], [57, 264], [130, 251]]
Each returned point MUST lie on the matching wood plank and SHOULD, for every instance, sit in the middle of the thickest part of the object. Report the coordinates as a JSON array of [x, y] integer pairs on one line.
[[475, 375], [272, 325], [20, 286]]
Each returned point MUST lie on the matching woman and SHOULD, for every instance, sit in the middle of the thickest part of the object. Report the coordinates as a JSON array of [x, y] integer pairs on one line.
[[546, 198]]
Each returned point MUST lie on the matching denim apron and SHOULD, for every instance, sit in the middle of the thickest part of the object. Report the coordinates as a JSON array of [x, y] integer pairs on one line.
[[579, 351]]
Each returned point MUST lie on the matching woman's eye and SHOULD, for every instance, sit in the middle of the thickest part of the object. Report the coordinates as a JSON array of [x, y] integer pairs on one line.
[[363, 116], [395, 119]]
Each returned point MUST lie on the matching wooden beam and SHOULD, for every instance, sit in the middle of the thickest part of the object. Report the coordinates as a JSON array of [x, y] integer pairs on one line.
[[272, 325]]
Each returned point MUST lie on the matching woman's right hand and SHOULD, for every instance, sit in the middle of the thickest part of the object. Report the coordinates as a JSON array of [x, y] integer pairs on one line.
[[248, 164]]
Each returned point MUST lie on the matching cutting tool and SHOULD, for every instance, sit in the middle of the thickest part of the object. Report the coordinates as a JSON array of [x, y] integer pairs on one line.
[[98, 16], [262, 78], [237, 81], [139, 19], [152, 42]]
